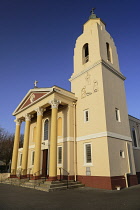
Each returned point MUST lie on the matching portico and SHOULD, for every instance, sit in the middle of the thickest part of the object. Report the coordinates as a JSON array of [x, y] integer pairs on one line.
[[34, 110]]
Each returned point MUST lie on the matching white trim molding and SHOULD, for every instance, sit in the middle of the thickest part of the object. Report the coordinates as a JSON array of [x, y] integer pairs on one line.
[[136, 148], [109, 67], [104, 134], [32, 146], [66, 139]]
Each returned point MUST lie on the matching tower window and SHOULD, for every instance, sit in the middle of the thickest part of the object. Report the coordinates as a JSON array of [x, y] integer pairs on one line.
[[117, 114], [108, 51], [86, 115], [122, 154], [134, 136], [46, 129], [85, 53]]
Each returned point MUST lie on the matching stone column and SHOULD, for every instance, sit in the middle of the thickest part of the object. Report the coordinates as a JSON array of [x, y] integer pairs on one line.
[[15, 149], [26, 145], [38, 142], [53, 141]]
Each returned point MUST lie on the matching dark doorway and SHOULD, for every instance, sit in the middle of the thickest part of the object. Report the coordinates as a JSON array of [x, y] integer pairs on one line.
[[45, 163]]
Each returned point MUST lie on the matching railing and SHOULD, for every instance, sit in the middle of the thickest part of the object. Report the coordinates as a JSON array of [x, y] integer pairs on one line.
[[25, 172], [40, 172], [63, 175], [29, 169], [19, 173], [13, 171]]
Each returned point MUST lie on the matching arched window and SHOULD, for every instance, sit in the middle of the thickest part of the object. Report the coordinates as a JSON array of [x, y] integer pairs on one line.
[[134, 136], [46, 129], [34, 134], [59, 128], [108, 49], [85, 53]]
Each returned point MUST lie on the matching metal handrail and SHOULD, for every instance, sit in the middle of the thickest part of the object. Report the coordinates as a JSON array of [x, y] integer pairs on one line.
[[67, 176], [13, 171], [25, 170], [41, 170], [29, 171]]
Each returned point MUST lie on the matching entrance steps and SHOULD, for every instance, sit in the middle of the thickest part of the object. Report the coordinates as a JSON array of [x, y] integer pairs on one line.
[[15, 181], [51, 186], [41, 184]]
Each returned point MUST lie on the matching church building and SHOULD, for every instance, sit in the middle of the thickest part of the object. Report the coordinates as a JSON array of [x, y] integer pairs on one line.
[[86, 133]]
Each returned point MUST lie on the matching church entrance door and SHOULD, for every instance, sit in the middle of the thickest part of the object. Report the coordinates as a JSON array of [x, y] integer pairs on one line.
[[45, 163]]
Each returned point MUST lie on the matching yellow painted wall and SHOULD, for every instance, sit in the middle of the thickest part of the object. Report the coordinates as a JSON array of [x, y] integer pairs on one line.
[[100, 159], [114, 94], [118, 165]]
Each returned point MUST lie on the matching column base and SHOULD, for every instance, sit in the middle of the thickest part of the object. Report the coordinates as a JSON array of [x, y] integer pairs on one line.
[[52, 178], [35, 177], [65, 177], [13, 176], [23, 176]]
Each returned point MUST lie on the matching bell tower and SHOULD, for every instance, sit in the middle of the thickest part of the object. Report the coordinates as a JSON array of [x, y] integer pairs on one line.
[[101, 110]]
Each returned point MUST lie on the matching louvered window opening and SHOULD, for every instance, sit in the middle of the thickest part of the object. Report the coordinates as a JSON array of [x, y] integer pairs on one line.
[[85, 53], [108, 52]]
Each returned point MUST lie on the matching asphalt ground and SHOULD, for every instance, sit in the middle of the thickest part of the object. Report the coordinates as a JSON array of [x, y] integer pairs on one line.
[[14, 197]]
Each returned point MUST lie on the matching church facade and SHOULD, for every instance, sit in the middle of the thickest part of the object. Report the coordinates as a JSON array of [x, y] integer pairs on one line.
[[85, 134]]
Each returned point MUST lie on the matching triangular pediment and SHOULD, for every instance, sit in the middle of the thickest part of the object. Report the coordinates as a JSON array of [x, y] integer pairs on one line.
[[31, 97]]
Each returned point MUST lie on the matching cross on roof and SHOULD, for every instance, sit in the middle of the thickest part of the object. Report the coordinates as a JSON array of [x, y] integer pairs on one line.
[[35, 84], [92, 11]]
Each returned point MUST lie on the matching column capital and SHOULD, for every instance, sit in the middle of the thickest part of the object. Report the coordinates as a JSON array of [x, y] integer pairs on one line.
[[54, 103], [39, 111], [28, 117], [18, 121]]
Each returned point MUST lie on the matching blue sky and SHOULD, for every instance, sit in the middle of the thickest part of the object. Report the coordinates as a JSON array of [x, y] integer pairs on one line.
[[37, 39]]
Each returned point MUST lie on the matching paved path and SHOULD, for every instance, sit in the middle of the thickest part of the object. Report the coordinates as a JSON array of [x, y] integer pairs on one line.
[[14, 197]]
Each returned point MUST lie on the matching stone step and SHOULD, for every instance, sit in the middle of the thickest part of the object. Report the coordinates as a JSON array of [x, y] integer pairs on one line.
[[15, 181], [36, 181], [47, 186], [42, 188], [64, 184], [65, 187], [58, 186]]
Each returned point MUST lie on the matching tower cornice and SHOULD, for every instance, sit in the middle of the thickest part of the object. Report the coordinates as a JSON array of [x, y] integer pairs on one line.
[[109, 67]]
